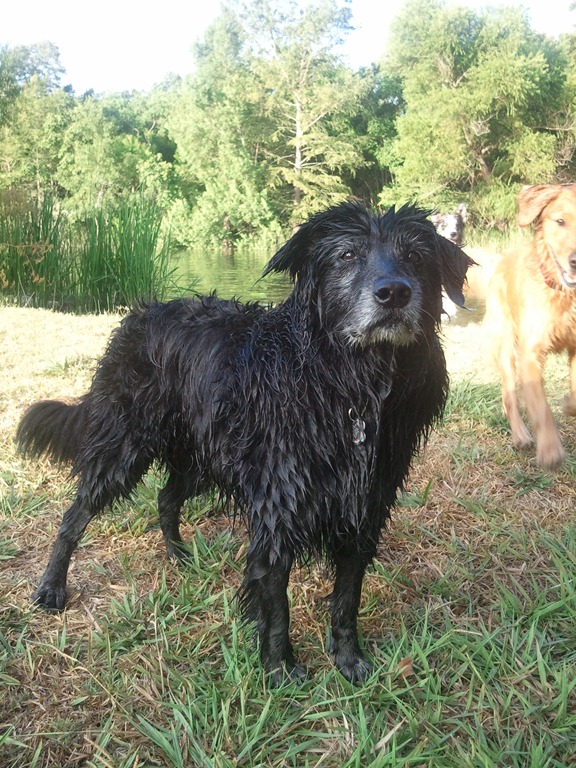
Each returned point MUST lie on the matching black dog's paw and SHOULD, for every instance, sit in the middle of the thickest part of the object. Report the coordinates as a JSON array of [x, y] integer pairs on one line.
[[351, 663], [355, 669], [287, 674], [179, 553], [51, 598]]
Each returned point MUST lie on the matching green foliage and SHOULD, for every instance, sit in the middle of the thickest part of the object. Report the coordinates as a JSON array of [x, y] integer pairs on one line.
[[217, 123], [30, 145], [122, 257], [484, 98], [102, 163], [466, 105], [494, 206], [22, 64], [108, 260], [88, 170], [32, 261], [307, 92]]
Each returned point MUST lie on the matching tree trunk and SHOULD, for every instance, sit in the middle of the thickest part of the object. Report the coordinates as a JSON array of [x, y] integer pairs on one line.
[[298, 152]]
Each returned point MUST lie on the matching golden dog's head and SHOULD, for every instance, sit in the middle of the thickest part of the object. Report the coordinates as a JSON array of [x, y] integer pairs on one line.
[[553, 209]]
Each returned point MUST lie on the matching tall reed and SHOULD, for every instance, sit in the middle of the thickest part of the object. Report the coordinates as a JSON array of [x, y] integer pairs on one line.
[[121, 257], [110, 259], [34, 263]]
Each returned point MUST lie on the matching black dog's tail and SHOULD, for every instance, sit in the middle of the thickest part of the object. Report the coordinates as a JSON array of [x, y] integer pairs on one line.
[[52, 427]]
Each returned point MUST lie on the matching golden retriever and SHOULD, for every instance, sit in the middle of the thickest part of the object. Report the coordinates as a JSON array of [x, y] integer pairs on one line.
[[531, 306]]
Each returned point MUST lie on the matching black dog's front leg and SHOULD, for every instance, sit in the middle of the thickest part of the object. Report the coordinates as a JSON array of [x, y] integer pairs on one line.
[[344, 645], [265, 602]]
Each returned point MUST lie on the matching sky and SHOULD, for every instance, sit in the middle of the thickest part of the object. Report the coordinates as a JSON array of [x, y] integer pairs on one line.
[[118, 45]]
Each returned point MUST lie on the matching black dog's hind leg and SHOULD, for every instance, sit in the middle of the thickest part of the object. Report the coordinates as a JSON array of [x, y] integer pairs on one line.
[[98, 488], [344, 646], [265, 601], [178, 488], [51, 592]]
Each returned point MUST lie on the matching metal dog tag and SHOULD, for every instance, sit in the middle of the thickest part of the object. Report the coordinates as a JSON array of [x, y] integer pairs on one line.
[[358, 428]]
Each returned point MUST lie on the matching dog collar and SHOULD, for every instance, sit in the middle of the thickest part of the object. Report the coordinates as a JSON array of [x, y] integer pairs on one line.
[[548, 279]]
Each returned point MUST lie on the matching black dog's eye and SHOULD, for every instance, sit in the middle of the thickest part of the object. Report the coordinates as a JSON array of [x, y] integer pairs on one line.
[[414, 257], [349, 256]]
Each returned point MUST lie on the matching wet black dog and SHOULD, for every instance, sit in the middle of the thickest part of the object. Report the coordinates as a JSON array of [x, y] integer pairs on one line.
[[307, 415]]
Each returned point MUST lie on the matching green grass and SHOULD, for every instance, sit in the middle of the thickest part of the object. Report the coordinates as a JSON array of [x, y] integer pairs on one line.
[[468, 614], [170, 678]]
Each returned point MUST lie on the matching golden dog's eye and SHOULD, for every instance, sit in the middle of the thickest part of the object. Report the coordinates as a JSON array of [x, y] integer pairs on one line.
[[561, 222]]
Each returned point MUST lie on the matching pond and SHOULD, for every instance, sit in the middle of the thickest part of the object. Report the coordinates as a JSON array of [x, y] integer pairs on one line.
[[231, 275]]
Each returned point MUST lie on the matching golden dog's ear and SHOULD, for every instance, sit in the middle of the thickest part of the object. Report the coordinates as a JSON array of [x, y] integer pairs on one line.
[[533, 199]]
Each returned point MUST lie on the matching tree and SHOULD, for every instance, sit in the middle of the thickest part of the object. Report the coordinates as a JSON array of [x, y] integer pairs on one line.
[[19, 65], [307, 91], [108, 154], [30, 143], [88, 170], [479, 89], [217, 122], [372, 129]]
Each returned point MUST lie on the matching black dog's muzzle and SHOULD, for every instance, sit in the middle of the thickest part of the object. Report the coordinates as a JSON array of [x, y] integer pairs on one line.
[[392, 293]]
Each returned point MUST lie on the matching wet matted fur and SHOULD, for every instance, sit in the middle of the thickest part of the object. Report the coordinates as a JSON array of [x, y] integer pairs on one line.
[[531, 312], [306, 415]]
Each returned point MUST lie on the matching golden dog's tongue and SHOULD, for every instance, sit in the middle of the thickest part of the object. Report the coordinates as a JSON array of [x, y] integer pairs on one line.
[[569, 280]]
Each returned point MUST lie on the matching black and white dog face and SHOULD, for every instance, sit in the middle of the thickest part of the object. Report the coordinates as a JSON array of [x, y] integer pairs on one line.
[[451, 225], [374, 277]]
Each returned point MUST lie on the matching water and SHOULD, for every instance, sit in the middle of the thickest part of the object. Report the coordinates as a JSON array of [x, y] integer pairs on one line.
[[470, 314], [232, 275]]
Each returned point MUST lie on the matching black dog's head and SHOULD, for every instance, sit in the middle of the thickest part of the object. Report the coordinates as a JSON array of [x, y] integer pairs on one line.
[[373, 277]]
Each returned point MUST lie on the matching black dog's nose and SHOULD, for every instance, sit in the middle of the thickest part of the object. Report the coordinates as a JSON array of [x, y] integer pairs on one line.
[[392, 293]]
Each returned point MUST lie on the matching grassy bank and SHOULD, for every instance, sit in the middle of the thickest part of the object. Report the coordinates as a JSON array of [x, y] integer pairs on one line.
[[468, 611]]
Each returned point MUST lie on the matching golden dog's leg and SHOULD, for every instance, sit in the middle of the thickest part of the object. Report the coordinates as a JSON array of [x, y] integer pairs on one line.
[[550, 452], [569, 404], [521, 437]]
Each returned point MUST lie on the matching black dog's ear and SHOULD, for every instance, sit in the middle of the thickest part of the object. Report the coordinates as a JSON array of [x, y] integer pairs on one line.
[[297, 252], [294, 254], [455, 264]]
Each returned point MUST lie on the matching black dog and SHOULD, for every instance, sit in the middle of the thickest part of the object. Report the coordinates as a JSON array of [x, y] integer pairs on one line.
[[307, 415]]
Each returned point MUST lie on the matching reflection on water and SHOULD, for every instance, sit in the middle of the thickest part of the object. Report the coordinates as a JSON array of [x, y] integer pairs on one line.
[[231, 275], [472, 312]]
